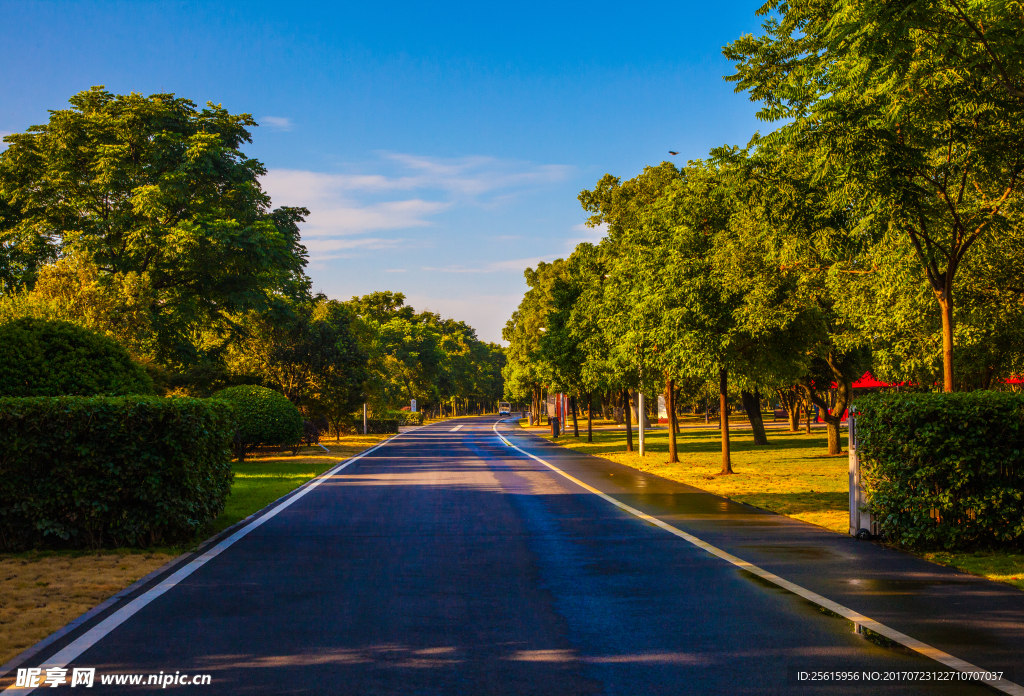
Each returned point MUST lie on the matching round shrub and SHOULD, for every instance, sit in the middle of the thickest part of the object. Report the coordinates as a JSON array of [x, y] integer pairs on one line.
[[57, 358], [264, 417]]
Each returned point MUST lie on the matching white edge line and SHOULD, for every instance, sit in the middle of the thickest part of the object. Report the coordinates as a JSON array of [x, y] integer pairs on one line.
[[847, 613], [74, 649]]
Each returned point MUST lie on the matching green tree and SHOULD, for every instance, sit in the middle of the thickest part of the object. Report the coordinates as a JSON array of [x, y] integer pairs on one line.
[[156, 188], [917, 103]]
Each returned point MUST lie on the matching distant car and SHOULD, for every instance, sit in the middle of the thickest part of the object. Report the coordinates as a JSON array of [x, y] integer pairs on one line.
[[504, 409]]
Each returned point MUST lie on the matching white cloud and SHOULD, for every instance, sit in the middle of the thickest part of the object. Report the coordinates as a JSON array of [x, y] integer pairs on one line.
[[406, 192], [279, 123], [485, 313], [494, 266], [592, 235]]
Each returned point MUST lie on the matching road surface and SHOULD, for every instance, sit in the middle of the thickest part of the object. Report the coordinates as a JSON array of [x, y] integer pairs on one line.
[[447, 562]]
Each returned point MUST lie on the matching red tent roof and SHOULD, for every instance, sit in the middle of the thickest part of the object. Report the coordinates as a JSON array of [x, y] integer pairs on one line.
[[868, 381]]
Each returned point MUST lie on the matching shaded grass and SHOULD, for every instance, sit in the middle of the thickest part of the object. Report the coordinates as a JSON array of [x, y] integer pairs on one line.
[[792, 476], [40, 591]]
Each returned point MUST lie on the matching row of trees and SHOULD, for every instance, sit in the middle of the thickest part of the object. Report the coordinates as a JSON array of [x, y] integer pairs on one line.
[[879, 227], [142, 219]]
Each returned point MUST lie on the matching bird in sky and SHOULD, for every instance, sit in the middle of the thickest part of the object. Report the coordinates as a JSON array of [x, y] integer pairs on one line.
[[672, 153]]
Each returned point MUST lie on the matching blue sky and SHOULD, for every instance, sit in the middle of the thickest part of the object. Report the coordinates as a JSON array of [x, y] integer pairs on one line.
[[440, 146]]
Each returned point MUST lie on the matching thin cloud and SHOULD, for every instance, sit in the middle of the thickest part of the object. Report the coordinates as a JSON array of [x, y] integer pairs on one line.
[[401, 192], [279, 123], [494, 266]]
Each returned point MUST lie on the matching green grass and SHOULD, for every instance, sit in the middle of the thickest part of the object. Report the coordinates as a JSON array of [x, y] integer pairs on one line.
[[794, 476], [261, 480]]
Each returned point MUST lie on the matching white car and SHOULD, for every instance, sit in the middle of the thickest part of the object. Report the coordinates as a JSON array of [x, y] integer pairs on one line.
[[504, 409]]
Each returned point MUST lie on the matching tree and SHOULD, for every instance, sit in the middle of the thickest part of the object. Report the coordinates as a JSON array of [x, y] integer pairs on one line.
[[917, 103], [153, 188], [310, 354], [525, 372]]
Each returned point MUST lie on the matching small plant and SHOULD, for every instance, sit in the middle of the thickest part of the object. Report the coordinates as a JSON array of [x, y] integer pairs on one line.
[[263, 417]]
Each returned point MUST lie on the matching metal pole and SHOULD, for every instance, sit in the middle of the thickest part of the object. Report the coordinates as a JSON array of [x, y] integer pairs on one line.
[[364, 418], [640, 421]]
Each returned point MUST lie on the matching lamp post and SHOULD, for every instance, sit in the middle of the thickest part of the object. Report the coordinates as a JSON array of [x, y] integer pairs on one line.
[[640, 421]]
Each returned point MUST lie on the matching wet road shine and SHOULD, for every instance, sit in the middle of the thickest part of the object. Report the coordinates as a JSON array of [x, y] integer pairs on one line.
[[446, 562]]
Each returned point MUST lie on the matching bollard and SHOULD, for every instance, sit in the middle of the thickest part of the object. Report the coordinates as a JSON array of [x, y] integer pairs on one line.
[[554, 426]]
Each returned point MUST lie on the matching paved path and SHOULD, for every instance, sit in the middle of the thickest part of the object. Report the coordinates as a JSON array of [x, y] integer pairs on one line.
[[446, 562]]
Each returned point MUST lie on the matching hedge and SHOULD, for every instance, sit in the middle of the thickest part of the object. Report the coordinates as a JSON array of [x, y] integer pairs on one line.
[[379, 426], [111, 471], [57, 358], [945, 470], [264, 417]]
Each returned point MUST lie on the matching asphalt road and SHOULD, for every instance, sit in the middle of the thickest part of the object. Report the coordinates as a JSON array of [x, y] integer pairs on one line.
[[449, 563]]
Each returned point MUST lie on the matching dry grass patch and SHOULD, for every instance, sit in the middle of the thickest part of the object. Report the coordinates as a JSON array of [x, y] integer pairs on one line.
[[39, 593]]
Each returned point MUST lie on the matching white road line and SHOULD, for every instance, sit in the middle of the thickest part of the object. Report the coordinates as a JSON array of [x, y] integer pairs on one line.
[[455, 428], [100, 630], [946, 659]]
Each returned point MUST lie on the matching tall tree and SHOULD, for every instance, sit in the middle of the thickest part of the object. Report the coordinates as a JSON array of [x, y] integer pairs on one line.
[[919, 103], [155, 188]]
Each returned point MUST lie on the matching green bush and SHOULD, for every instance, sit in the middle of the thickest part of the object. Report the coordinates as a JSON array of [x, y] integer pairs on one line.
[[379, 426], [945, 470], [263, 417], [55, 358], [111, 471]]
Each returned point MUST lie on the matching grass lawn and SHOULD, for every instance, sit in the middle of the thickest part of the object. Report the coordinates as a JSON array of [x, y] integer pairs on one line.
[[40, 591], [793, 476]]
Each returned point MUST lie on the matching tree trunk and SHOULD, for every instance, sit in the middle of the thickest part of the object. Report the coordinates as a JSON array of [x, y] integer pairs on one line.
[[832, 413], [626, 416], [670, 405], [723, 405], [946, 305], [790, 400], [752, 405], [590, 416], [575, 425]]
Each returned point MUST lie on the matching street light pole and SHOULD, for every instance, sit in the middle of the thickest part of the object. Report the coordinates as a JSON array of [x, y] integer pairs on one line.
[[640, 421]]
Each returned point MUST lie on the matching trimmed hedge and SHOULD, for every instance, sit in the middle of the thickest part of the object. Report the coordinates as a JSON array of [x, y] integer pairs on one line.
[[379, 426], [945, 470], [264, 417], [57, 358], [111, 471]]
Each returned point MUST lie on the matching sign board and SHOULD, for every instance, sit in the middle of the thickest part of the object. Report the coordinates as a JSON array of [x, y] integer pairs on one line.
[[412, 405], [662, 410], [552, 408]]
